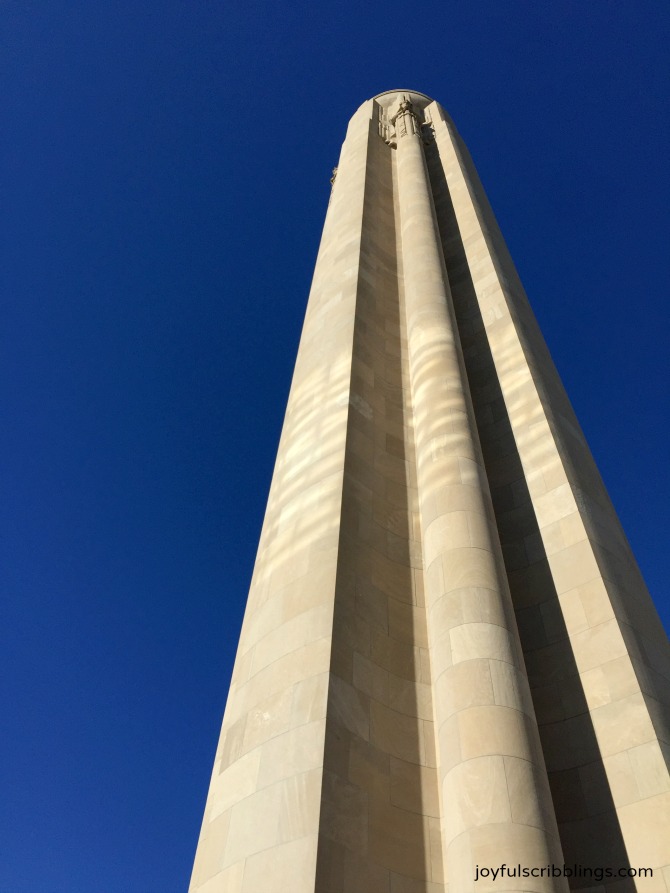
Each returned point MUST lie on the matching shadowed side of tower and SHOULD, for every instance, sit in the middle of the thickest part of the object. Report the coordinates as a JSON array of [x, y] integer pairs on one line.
[[448, 657]]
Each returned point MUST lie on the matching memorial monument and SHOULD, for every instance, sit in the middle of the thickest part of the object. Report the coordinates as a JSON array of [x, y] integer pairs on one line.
[[449, 660]]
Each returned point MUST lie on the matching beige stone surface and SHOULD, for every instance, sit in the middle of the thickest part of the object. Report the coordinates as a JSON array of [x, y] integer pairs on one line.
[[448, 658]]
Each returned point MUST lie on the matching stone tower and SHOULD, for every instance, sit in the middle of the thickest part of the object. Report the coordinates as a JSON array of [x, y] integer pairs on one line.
[[449, 660]]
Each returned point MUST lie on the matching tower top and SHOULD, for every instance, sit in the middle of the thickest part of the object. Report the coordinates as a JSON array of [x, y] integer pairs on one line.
[[390, 100], [391, 97]]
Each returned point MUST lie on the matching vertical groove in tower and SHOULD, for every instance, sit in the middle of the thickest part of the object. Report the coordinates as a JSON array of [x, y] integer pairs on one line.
[[448, 657]]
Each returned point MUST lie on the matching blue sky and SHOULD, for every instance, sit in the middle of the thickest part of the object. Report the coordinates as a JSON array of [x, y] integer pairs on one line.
[[164, 179]]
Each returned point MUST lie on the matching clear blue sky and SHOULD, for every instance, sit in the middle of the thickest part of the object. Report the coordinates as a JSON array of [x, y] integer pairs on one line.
[[164, 175]]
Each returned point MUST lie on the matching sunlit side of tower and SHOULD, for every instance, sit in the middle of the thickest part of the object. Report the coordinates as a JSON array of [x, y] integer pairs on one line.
[[449, 658]]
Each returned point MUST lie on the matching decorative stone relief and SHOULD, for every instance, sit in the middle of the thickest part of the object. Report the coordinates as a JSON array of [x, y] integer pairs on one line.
[[405, 119]]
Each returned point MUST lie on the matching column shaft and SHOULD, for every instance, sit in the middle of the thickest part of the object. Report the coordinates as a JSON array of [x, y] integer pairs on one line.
[[612, 678], [495, 796], [261, 823]]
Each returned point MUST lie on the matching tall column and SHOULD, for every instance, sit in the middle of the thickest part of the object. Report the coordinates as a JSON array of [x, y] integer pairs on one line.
[[618, 688], [261, 823], [495, 796]]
